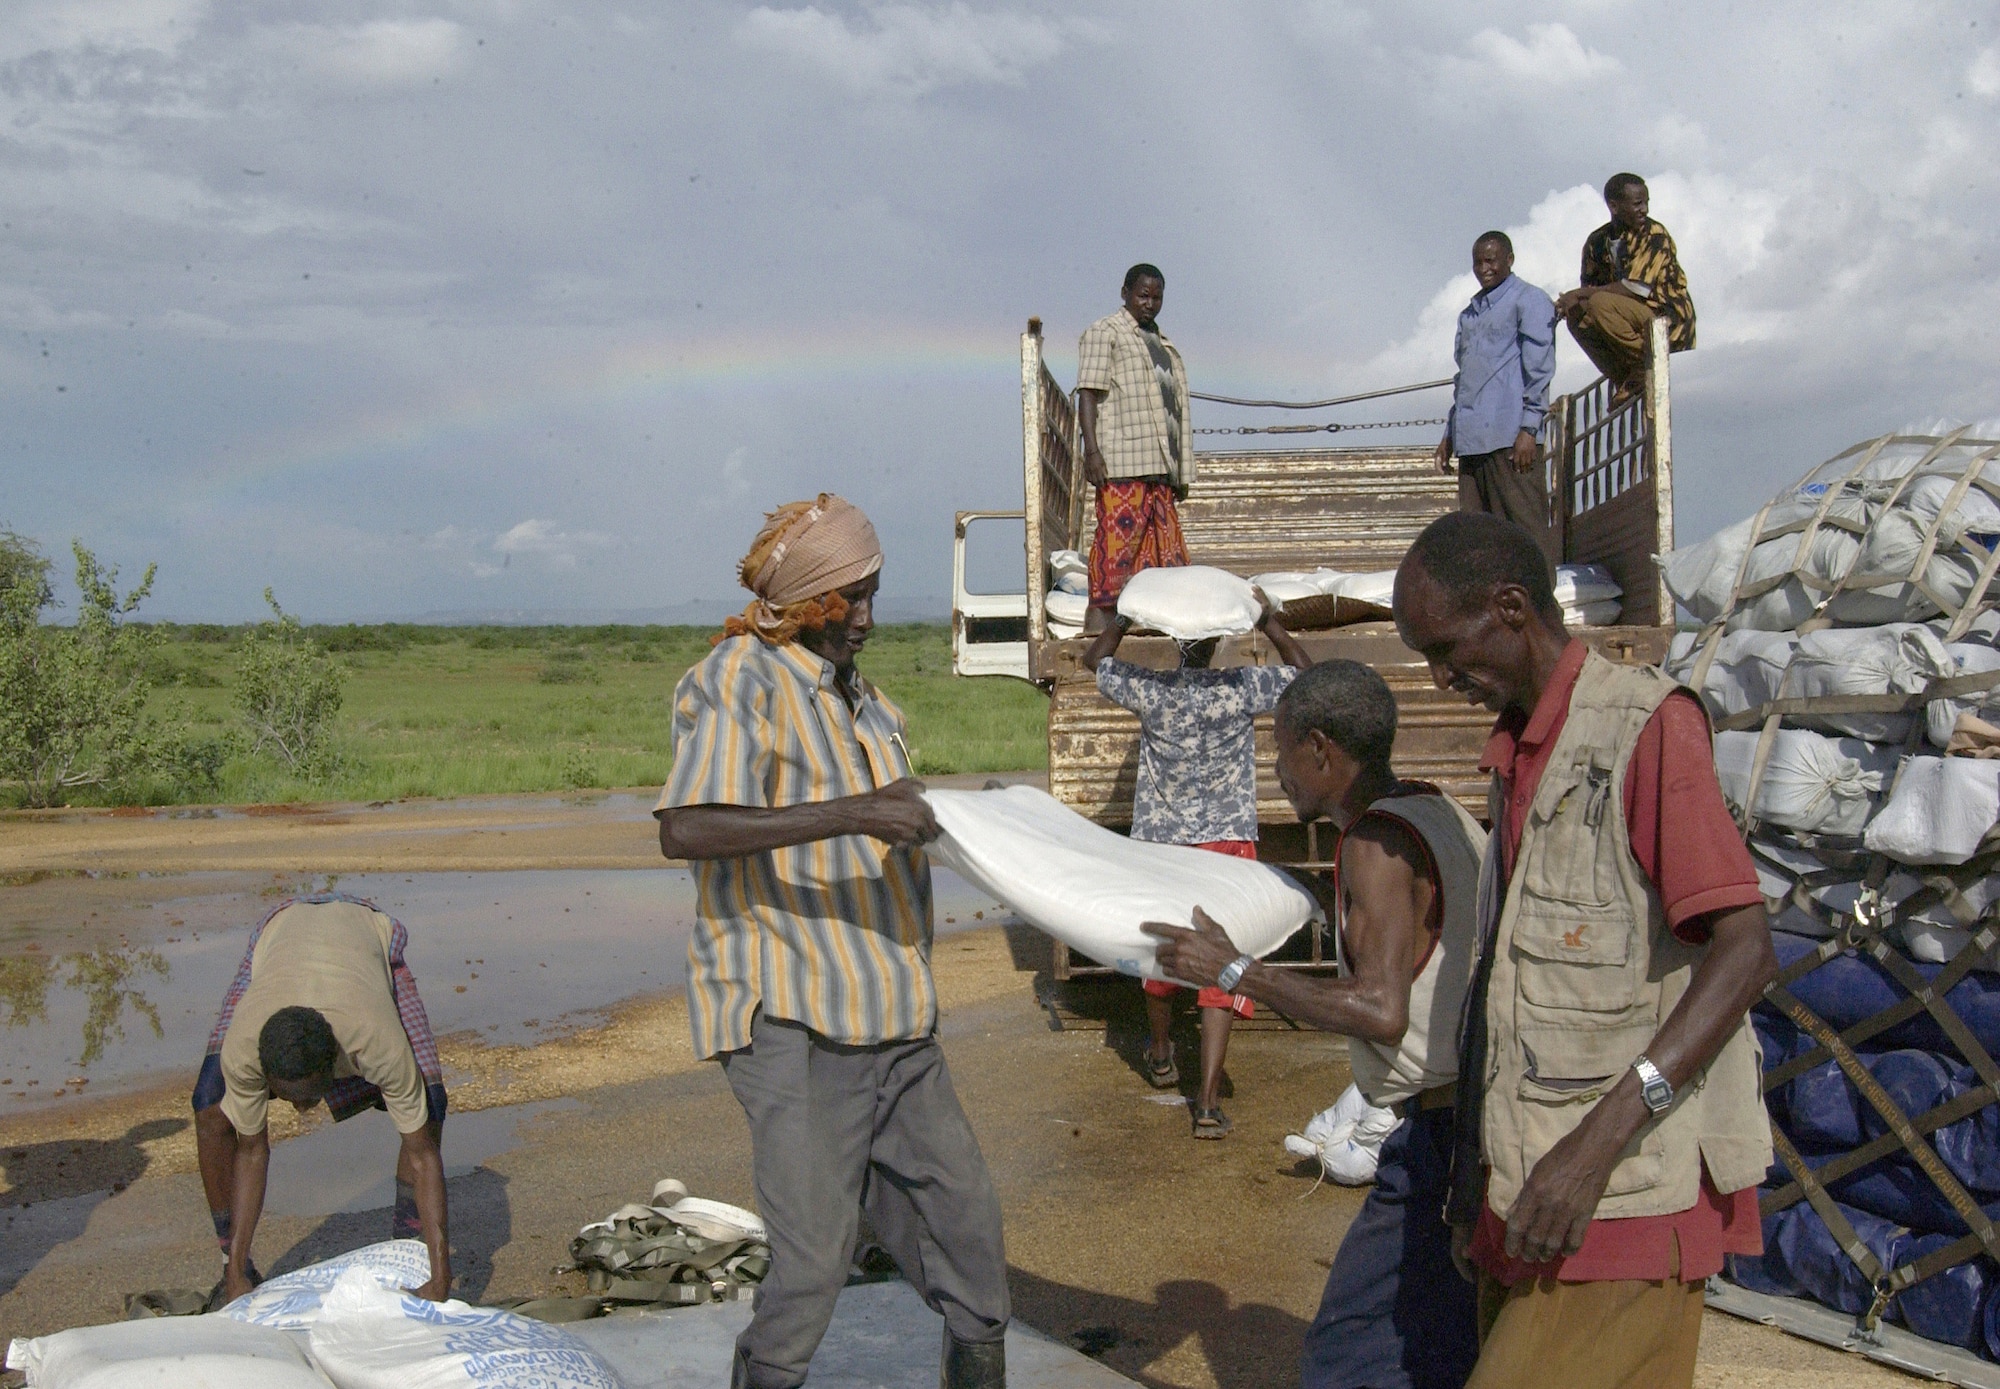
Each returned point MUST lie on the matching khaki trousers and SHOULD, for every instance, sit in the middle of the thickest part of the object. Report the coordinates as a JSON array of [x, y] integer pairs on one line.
[[1620, 1335], [1616, 332], [1488, 482]]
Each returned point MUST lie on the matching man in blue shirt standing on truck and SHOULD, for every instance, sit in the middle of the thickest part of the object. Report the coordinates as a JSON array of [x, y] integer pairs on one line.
[[1506, 355]]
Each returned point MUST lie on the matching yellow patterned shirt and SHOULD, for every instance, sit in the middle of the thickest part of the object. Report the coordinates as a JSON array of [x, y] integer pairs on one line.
[[834, 934], [1646, 261]]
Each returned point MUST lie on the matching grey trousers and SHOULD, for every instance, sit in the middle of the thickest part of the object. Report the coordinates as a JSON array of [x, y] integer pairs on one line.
[[834, 1129], [1487, 482]]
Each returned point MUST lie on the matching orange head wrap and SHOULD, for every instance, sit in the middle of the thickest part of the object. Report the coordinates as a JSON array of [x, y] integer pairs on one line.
[[805, 554]]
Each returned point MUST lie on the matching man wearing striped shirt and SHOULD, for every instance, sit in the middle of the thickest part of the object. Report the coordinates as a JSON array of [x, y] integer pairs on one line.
[[809, 969]]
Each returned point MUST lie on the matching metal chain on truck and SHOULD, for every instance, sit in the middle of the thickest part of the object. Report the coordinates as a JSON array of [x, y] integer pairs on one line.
[[1319, 428]]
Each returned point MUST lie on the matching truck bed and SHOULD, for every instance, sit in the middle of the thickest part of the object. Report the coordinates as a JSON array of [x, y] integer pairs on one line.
[[1094, 744]]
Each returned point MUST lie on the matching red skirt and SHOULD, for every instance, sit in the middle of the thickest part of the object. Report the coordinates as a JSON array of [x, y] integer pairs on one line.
[[1138, 527]]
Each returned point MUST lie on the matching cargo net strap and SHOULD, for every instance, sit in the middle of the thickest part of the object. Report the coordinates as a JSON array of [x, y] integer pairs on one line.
[[1862, 930], [1949, 455]]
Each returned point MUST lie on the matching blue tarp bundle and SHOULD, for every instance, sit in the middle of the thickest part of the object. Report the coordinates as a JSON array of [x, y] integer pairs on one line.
[[1851, 988], [1896, 1210]]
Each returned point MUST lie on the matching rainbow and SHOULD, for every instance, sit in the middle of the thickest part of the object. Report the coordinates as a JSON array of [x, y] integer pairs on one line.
[[633, 371]]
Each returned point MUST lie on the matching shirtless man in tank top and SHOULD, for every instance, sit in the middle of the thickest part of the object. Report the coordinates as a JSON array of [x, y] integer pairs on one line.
[[1396, 1311]]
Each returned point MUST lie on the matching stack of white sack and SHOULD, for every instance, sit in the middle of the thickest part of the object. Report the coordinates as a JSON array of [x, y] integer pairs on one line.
[[346, 1323], [1889, 610], [1588, 595], [1284, 586], [1875, 520], [1092, 889], [1812, 784], [1347, 1139], [1190, 602], [1068, 598], [1377, 586]]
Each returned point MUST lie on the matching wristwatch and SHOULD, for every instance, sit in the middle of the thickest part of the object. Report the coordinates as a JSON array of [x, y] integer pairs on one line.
[[1232, 975], [1653, 1087]]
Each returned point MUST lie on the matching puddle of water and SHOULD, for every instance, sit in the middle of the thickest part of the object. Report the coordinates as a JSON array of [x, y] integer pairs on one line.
[[111, 983], [345, 1168]]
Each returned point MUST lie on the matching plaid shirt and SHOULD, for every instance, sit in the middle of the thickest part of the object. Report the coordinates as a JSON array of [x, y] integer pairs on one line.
[[1650, 266], [349, 1094], [834, 934], [1135, 431]]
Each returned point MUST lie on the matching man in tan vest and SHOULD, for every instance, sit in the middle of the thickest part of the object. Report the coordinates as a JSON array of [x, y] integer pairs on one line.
[[1395, 1314], [1608, 1077]]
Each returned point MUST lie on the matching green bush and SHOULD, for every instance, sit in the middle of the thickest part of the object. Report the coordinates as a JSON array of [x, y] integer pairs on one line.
[[288, 690], [70, 697]]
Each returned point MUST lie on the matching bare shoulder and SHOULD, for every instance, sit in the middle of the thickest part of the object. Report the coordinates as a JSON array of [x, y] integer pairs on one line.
[[1382, 847]]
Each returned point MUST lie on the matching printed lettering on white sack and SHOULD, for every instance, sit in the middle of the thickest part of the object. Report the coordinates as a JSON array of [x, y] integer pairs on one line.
[[1190, 602], [369, 1337], [291, 1301], [1091, 888], [167, 1353]]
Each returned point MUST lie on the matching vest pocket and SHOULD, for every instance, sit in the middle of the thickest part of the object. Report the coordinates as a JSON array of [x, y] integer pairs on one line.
[[1572, 961], [1571, 859], [1567, 1072]]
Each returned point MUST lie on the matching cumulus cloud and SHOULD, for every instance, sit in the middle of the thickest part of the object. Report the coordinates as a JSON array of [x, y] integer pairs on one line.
[[1984, 74], [380, 52], [547, 542], [908, 49], [1551, 54]]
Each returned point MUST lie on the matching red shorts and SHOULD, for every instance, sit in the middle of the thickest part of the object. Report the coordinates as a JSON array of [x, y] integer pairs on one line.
[[1212, 997]]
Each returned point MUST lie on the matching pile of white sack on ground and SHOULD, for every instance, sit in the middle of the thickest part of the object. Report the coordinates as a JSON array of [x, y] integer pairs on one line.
[[1346, 1139], [346, 1323], [1847, 654]]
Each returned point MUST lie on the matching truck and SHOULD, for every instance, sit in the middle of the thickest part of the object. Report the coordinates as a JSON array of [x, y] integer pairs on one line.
[[1354, 509]]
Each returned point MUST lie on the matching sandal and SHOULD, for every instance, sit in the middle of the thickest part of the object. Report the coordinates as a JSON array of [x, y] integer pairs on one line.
[[1161, 1072], [1212, 1123]]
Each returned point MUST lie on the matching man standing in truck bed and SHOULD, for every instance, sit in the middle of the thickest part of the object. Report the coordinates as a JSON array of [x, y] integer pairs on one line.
[[1138, 442], [1506, 356]]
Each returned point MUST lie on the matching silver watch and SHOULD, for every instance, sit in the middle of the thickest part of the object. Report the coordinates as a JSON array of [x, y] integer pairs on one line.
[[1653, 1087], [1232, 973]]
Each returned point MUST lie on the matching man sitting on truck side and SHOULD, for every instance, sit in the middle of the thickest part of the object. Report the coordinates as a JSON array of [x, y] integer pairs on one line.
[[1138, 443], [1506, 355], [1611, 1133], [1631, 273], [1198, 786], [1396, 1313]]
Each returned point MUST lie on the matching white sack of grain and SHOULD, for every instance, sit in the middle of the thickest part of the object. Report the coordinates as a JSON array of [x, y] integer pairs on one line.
[[1377, 587], [1091, 888], [1745, 672], [1287, 586], [1812, 783], [1703, 576], [167, 1353], [1190, 602], [1941, 809], [1066, 609], [1585, 583], [1901, 658], [1602, 613]]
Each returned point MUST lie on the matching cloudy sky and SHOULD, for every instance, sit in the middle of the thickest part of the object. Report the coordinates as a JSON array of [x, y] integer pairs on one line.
[[538, 304]]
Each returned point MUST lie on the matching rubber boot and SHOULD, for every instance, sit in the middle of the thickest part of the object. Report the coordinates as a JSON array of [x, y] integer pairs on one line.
[[972, 1364]]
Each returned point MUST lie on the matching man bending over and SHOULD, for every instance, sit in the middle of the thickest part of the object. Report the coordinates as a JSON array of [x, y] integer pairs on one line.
[[322, 1008], [1396, 1313]]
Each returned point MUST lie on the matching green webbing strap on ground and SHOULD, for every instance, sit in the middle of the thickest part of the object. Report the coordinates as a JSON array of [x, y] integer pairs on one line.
[[166, 1302], [651, 1258]]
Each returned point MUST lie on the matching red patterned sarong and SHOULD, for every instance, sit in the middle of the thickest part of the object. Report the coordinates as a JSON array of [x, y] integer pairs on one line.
[[1138, 527]]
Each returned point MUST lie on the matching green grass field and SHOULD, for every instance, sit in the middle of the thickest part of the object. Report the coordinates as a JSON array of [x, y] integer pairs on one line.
[[451, 711]]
